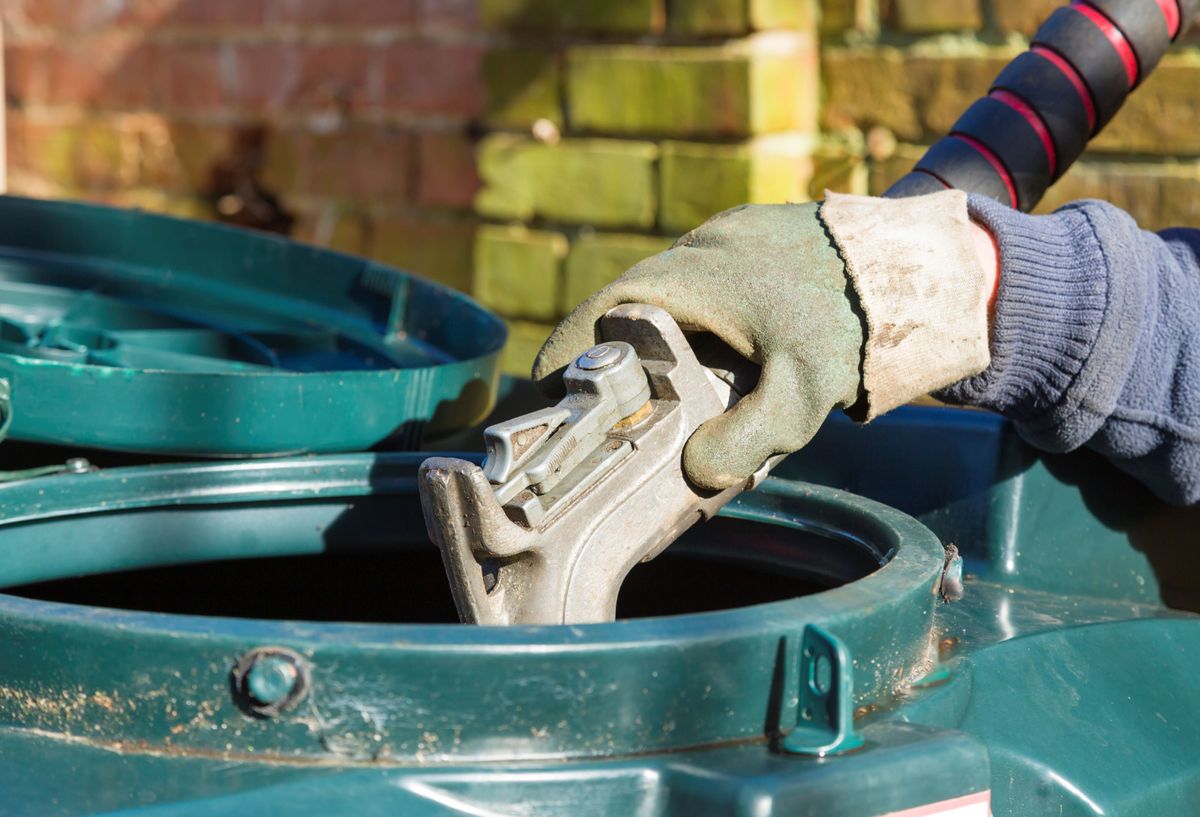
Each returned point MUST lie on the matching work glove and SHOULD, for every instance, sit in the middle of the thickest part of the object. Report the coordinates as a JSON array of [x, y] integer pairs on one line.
[[766, 280], [844, 311]]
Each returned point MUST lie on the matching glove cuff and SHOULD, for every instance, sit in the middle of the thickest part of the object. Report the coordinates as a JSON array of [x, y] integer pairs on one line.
[[920, 287], [1053, 348]]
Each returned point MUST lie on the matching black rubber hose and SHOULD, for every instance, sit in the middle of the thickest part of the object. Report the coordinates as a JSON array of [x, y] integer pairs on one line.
[[1047, 103]]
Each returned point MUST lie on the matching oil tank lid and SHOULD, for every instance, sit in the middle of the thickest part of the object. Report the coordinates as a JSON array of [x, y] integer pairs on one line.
[[129, 331]]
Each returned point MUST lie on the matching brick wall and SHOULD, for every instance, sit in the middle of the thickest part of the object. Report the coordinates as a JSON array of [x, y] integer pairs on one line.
[[342, 122], [901, 71], [613, 127], [530, 150]]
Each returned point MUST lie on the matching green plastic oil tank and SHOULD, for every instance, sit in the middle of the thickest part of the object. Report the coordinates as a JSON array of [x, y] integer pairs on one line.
[[146, 595], [277, 636], [129, 331]]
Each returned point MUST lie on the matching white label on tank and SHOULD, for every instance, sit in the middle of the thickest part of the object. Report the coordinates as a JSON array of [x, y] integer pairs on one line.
[[971, 805]]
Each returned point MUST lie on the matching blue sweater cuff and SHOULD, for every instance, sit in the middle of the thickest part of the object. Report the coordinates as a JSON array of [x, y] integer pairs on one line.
[[1050, 310]]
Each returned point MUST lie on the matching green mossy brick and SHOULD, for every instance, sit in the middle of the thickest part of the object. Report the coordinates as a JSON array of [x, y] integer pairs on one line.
[[883, 173], [523, 86], [839, 164], [158, 201], [603, 182], [1160, 117], [52, 155], [839, 16], [339, 228], [708, 17], [730, 90], [518, 271], [436, 248], [868, 86], [944, 82], [194, 150], [600, 16], [928, 16], [598, 259], [1158, 196], [83, 154], [506, 163], [700, 180], [916, 93], [525, 340], [732, 17], [839, 172], [785, 90], [771, 14], [103, 156], [1022, 16]]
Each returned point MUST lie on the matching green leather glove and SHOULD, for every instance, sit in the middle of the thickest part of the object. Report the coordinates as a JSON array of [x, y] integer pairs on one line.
[[768, 281]]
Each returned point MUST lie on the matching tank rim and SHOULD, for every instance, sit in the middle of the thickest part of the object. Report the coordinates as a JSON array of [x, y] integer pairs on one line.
[[159, 682]]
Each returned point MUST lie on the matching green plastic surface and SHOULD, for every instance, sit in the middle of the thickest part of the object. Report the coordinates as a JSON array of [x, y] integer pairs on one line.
[[476, 689], [138, 332], [1060, 682]]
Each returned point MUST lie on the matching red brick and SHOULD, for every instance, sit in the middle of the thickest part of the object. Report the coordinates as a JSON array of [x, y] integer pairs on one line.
[[280, 77], [92, 14], [66, 14], [263, 75], [440, 248], [361, 162], [221, 13], [343, 12], [15, 125], [103, 70], [26, 72], [189, 77], [78, 69], [130, 82], [341, 76], [154, 13], [449, 15], [37, 148], [446, 174], [435, 78]]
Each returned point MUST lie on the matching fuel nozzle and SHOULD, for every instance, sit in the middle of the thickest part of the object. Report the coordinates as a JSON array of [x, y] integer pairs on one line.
[[571, 497]]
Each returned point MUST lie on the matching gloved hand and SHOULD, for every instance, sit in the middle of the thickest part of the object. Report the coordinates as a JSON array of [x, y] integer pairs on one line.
[[859, 302], [767, 280]]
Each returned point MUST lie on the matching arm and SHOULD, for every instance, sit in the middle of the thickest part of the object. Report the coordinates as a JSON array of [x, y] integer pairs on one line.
[[1096, 340]]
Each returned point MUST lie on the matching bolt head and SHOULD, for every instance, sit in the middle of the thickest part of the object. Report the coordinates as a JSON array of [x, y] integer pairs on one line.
[[271, 679], [268, 680], [78, 465], [598, 357]]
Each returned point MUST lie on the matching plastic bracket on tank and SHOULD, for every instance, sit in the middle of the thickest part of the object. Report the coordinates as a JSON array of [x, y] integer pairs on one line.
[[572, 497], [825, 720], [6, 413]]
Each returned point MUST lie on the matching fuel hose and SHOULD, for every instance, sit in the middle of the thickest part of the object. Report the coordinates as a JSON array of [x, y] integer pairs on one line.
[[1042, 109]]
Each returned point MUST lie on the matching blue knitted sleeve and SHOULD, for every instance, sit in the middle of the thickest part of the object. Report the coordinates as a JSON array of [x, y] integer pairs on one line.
[[1096, 340]]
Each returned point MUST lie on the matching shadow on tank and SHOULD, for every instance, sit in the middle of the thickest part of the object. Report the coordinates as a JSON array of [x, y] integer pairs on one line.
[[364, 579], [1064, 523]]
